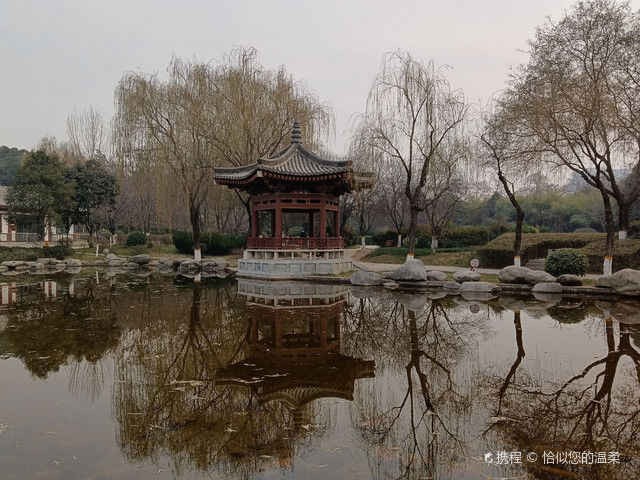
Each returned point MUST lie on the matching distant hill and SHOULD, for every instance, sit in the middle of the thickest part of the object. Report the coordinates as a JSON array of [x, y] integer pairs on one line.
[[10, 159]]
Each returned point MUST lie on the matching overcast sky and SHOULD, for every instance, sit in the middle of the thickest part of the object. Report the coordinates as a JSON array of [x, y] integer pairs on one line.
[[57, 56]]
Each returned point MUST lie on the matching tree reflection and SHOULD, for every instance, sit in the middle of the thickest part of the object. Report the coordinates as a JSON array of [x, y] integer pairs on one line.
[[46, 332], [594, 410], [420, 433]]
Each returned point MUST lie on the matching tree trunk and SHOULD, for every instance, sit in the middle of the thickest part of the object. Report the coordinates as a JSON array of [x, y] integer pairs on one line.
[[413, 227], [434, 242], [399, 244], [623, 219], [517, 244], [194, 218], [610, 227]]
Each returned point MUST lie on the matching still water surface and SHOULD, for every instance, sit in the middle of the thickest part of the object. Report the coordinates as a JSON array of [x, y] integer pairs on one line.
[[156, 378]]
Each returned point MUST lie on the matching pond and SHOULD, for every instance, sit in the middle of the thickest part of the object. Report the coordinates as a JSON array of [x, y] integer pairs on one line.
[[158, 377]]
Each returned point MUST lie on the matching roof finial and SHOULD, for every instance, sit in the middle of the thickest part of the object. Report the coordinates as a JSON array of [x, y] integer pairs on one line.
[[296, 133]]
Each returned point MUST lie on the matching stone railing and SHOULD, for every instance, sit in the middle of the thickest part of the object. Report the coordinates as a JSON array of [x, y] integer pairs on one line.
[[295, 242]]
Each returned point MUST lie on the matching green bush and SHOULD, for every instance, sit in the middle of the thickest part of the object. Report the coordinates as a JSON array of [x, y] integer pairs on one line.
[[104, 233], [566, 260], [220, 244], [136, 238], [210, 243], [634, 229], [498, 253], [183, 242]]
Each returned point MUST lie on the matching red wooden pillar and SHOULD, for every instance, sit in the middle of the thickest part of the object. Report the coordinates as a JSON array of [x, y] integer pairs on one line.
[[323, 217], [278, 220], [273, 223], [336, 223], [254, 222], [312, 227]]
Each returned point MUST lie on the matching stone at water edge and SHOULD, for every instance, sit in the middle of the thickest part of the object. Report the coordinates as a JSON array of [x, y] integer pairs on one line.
[[452, 287], [547, 287], [366, 278], [141, 259], [189, 266], [485, 287], [569, 280], [513, 274], [410, 271], [436, 275], [73, 262], [391, 285], [624, 282], [467, 276]]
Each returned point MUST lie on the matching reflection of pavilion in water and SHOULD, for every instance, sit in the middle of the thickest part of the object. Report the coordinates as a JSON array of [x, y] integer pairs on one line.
[[12, 292], [294, 340]]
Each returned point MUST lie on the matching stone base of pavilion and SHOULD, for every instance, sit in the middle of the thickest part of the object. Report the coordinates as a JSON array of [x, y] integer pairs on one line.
[[298, 262]]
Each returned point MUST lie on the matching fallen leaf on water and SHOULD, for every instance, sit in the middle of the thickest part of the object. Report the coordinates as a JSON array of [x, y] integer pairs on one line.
[[230, 430], [266, 456], [321, 466]]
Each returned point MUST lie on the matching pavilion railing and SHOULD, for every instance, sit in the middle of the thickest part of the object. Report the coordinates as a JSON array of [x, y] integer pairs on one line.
[[295, 242]]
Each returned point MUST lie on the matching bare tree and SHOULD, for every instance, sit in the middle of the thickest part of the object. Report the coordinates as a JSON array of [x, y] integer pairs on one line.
[[509, 156], [579, 97], [87, 134], [393, 202], [444, 187], [411, 110]]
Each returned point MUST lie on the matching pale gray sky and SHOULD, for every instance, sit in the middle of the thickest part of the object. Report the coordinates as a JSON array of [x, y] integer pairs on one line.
[[57, 56]]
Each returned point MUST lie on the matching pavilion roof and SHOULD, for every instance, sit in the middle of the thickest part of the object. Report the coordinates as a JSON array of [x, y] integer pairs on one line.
[[295, 163]]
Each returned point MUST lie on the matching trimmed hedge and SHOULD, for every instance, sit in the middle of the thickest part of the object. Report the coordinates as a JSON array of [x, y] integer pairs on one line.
[[498, 253], [211, 243], [626, 254], [566, 261], [634, 230]]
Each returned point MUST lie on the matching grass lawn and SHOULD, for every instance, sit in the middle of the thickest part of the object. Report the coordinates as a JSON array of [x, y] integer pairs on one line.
[[456, 257]]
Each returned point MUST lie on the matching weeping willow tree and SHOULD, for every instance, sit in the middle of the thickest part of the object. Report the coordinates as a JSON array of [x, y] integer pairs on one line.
[[256, 107], [411, 110], [167, 122], [206, 115]]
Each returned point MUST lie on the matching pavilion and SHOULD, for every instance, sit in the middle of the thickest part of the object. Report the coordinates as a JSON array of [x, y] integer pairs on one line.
[[295, 210]]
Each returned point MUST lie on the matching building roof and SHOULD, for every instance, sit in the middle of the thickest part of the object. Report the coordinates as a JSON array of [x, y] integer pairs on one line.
[[294, 164]]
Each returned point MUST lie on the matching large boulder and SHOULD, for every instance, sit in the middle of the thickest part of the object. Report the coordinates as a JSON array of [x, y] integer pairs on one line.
[[410, 271], [624, 282], [547, 287], [569, 280], [467, 276], [366, 278], [513, 274], [436, 275], [72, 263], [141, 259]]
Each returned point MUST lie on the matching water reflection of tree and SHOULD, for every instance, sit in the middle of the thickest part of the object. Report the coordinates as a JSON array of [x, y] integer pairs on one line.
[[596, 409], [49, 332], [167, 401], [420, 433]]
